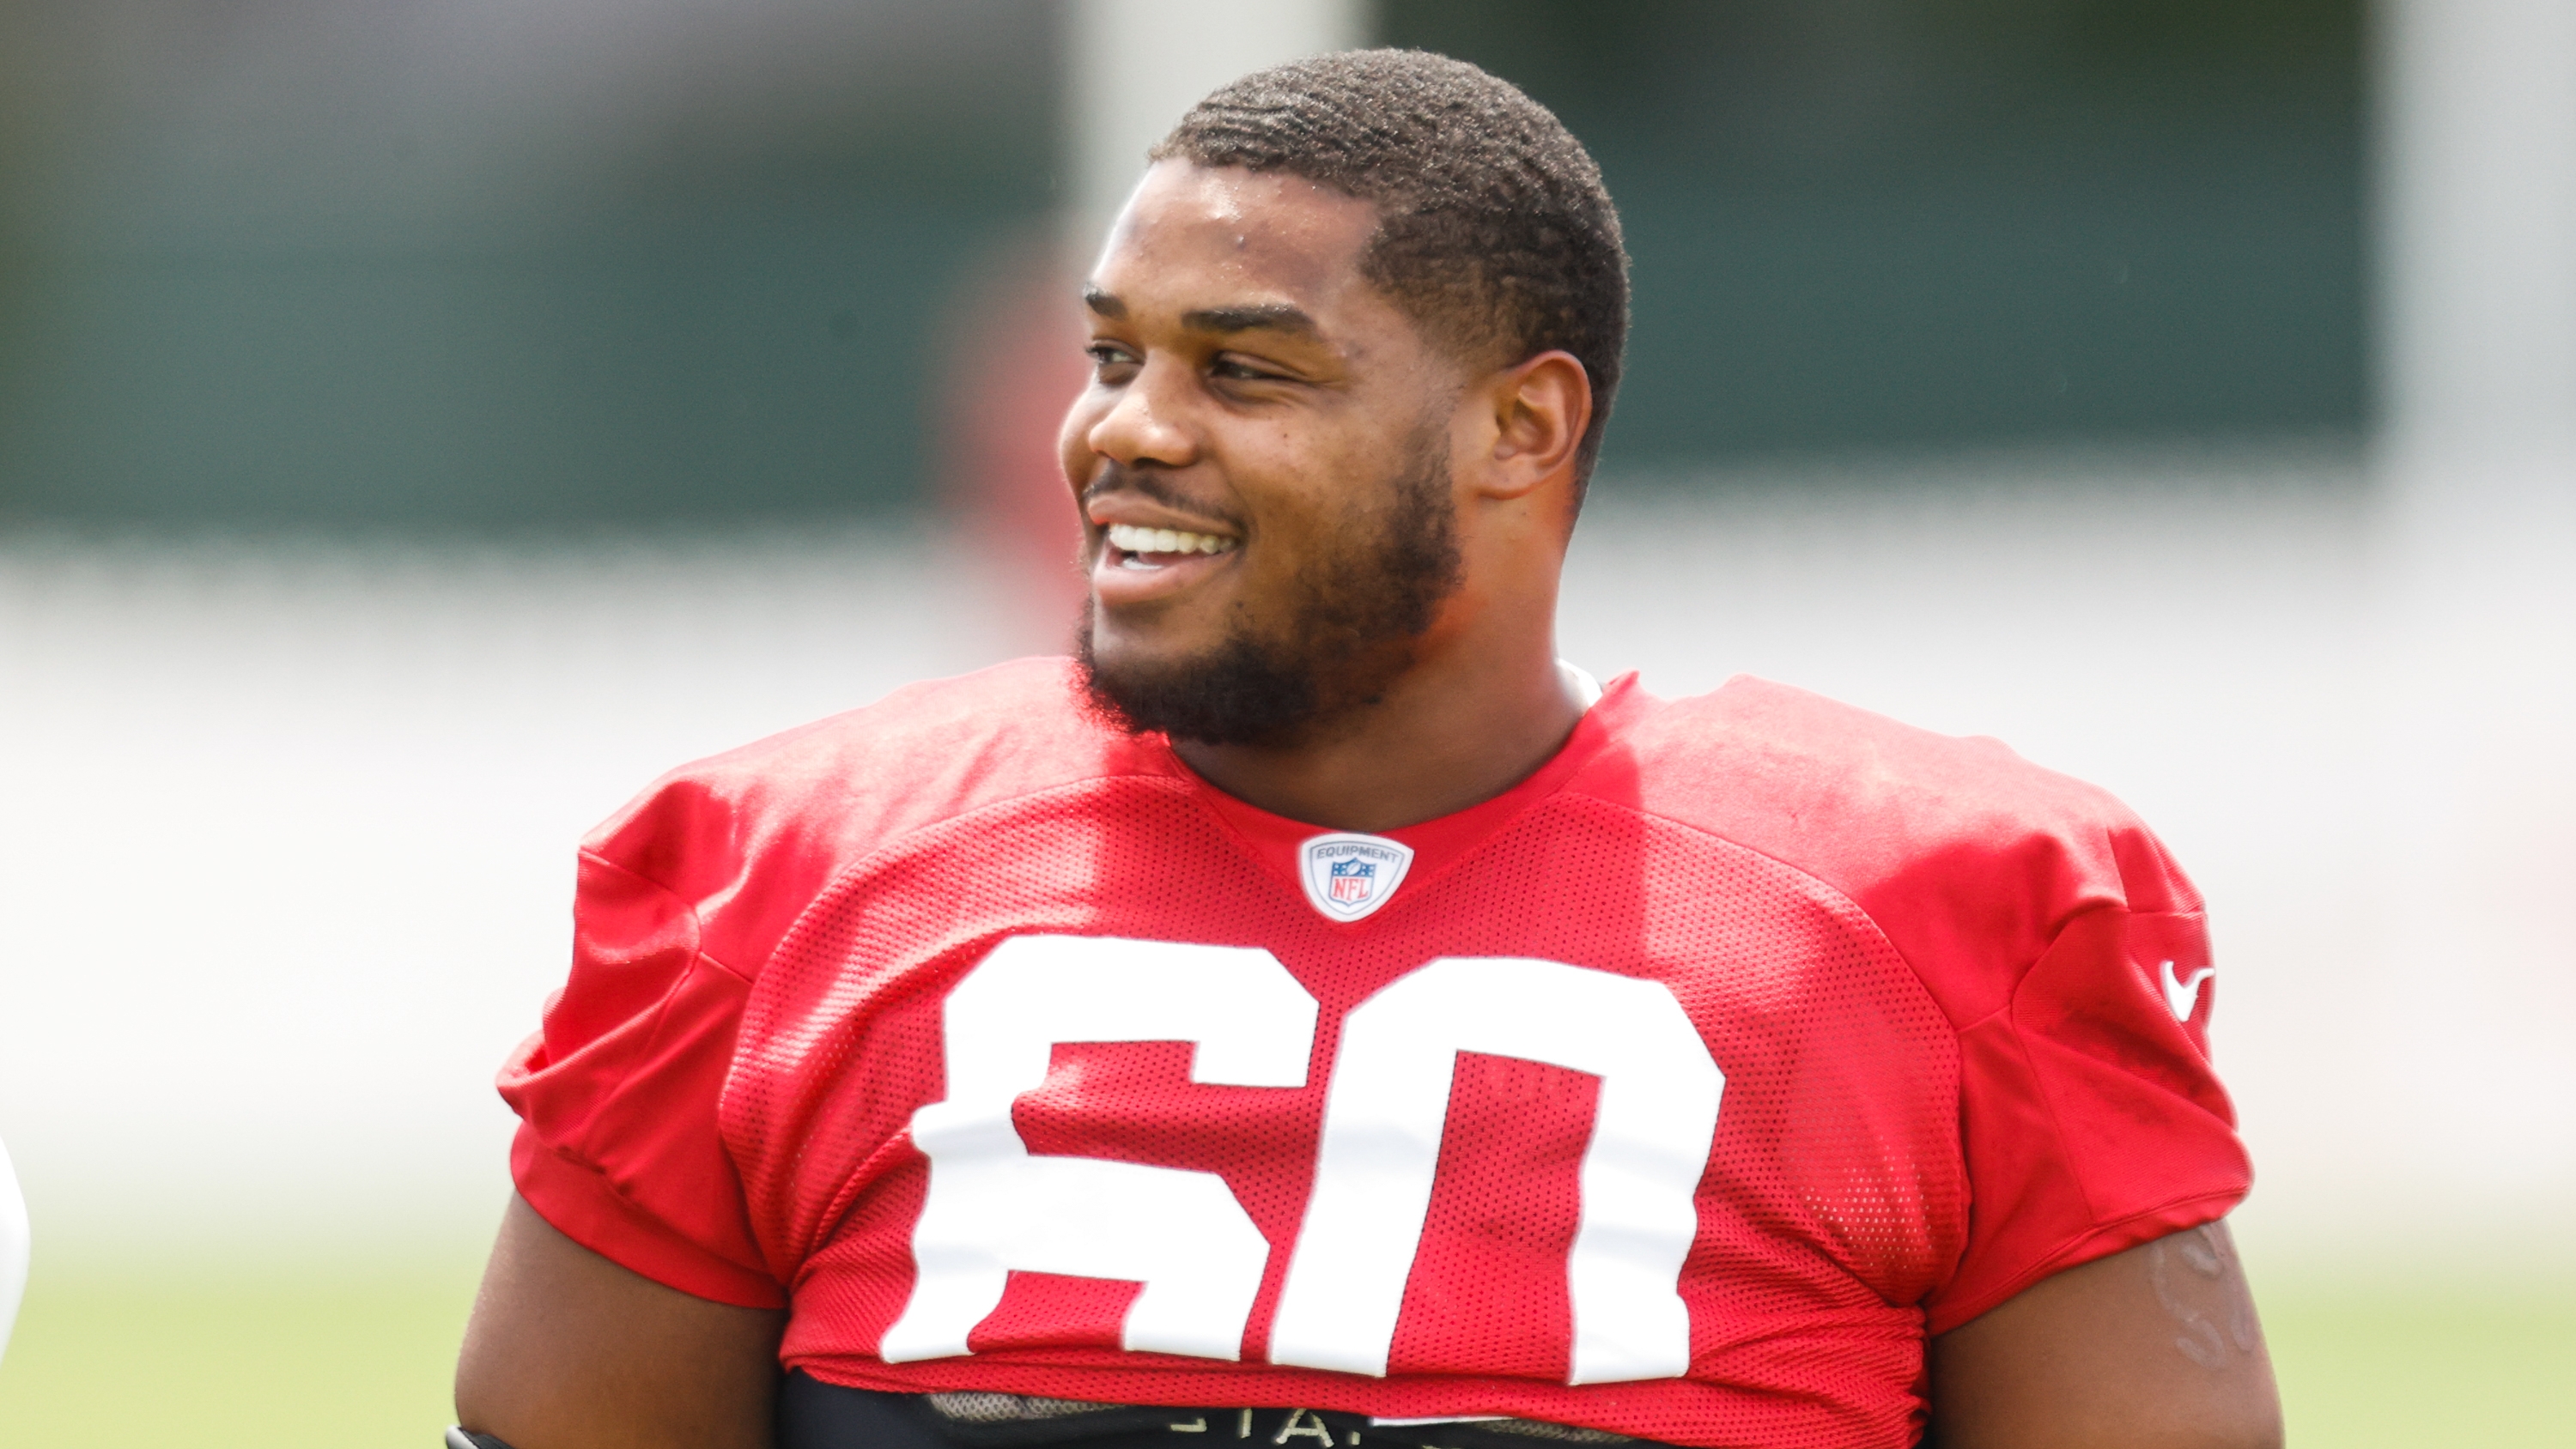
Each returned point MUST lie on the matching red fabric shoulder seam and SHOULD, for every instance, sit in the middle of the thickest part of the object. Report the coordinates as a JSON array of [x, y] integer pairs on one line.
[[697, 935], [697, 928]]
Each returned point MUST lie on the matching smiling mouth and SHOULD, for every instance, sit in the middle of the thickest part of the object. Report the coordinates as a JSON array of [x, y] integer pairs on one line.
[[1157, 548]]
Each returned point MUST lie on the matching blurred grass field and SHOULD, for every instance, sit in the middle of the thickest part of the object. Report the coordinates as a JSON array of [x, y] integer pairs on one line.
[[2486, 1365], [309, 1358], [253, 1354]]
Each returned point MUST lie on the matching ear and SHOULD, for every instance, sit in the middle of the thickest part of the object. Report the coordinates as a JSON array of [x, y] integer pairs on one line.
[[1540, 409]]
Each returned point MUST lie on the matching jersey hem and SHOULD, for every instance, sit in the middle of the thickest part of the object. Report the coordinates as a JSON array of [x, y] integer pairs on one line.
[[1657, 1410], [2136, 1230], [581, 1203]]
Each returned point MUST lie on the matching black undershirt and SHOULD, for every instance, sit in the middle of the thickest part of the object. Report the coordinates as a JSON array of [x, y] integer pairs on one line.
[[816, 1415]]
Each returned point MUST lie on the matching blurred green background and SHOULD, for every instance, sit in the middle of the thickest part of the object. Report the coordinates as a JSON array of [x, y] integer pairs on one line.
[[323, 264], [1895, 224]]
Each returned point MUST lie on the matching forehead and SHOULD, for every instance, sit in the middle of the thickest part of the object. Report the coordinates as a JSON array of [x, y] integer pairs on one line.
[[1194, 234]]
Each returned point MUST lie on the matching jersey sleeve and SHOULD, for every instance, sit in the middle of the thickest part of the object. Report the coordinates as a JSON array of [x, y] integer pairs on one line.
[[2091, 1118], [618, 1144]]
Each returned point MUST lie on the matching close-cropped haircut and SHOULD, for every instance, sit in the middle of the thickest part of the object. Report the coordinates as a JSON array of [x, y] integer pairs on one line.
[[1494, 234]]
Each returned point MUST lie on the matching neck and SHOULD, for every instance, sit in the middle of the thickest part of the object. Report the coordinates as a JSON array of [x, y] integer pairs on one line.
[[1465, 724]]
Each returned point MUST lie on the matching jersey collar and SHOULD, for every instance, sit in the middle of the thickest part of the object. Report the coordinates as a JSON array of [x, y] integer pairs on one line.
[[1275, 840]]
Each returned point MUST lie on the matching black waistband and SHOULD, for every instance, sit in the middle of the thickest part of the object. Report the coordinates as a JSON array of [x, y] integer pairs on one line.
[[816, 1415]]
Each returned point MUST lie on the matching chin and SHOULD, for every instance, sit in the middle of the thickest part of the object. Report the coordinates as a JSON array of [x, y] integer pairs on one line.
[[1230, 692], [1116, 649], [1126, 645]]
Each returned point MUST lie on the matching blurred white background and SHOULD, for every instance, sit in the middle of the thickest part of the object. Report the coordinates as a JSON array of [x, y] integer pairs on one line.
[[291, 827]]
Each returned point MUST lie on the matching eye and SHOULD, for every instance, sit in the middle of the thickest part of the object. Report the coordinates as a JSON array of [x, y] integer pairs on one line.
[[1236, 369], [1107, 355]]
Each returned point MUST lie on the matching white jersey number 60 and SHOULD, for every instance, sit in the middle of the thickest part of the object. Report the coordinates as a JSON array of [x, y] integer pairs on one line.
[[993, 1207]]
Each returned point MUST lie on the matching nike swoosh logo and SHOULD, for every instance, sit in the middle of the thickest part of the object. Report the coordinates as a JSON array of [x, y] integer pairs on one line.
[[2182, 997]]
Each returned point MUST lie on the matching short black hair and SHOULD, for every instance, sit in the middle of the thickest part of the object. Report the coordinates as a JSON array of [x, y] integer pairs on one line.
[[1494, 232]]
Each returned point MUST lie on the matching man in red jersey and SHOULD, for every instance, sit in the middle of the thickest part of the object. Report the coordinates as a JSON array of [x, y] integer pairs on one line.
[[1316, 1012]]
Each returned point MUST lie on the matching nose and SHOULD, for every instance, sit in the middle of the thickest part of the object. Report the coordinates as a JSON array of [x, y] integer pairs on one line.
[[1143, 426]]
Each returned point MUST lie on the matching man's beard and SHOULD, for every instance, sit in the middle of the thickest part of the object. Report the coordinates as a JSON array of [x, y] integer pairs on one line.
[[1358, 610]]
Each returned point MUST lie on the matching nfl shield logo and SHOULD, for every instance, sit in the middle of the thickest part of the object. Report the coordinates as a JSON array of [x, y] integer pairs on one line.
[[1349, 876], [1353, 881]]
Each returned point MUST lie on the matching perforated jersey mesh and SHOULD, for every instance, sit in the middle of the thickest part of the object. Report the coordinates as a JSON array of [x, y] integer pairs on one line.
[[1562, 1433], [1832, 1202]]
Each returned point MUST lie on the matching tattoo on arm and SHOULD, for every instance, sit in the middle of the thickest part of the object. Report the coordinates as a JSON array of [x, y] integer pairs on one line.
[[2202, 1288]]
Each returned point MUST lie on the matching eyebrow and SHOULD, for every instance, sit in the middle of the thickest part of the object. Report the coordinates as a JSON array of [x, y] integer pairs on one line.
[[1275, 317], [1271, 316]]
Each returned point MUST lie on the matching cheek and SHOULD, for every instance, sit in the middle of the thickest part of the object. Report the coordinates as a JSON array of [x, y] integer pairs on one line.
[[1312, 534], [1313, 473], [1073, 439]]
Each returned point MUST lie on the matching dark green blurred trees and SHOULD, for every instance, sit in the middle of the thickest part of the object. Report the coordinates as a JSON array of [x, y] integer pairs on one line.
[[327, 263], [1890, 223], [336, 263]]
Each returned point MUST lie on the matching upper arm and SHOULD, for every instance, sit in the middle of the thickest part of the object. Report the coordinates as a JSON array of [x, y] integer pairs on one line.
[[567, 1350], [2153, 1348]]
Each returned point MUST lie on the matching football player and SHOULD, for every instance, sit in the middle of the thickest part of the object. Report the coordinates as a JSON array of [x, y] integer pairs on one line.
[[1313, 1012]]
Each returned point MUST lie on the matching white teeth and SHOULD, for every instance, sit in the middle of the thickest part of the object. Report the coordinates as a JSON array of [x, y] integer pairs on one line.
[[1129, 538]]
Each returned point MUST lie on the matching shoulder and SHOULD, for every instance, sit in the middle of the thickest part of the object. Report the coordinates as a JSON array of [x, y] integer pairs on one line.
[[755, 832], [1970, 858], [1859, 794]]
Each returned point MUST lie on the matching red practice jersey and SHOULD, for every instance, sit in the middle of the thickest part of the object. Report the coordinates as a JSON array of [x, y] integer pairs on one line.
[[1678, 1092]]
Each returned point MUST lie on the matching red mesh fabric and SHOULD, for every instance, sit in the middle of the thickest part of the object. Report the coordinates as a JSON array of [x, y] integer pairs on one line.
[[1503, 1213], [1892, 976]]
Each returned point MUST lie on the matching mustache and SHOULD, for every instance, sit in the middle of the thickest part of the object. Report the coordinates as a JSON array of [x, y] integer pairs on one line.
[[1153, 485]]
